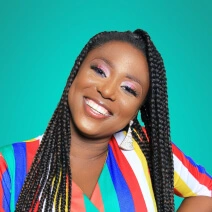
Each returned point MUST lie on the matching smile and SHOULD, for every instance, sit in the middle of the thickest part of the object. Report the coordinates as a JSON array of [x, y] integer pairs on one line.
[[99, 109]]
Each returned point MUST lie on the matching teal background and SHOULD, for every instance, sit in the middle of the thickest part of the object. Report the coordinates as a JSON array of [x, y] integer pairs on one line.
[[39, 41]]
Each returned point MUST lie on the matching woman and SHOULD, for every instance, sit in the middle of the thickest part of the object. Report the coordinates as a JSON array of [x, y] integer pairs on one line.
[[94, 155]]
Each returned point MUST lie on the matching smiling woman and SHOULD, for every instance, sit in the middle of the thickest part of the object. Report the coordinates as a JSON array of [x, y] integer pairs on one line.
[[94, 154], [108, 95]]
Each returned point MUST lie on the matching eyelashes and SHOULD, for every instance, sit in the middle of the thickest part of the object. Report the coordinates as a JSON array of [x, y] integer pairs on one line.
[[98, 70], [127, 89], [130, 90]]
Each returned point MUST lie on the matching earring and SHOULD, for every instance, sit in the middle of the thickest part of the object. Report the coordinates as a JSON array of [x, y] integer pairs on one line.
[[127, 143]]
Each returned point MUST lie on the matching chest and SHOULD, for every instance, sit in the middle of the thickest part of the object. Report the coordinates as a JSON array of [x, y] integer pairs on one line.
[[85, 173], [122, 185]]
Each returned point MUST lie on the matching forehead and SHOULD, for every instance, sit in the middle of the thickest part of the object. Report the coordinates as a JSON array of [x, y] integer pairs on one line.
[[121, 55], [118, 49]]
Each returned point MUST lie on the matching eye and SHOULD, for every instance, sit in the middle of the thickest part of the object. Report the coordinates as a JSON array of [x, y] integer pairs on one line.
[[99, 71], [129, 90]]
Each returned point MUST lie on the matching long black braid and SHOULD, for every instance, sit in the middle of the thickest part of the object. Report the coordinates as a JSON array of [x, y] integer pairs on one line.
[[155, 116], [49, 178]]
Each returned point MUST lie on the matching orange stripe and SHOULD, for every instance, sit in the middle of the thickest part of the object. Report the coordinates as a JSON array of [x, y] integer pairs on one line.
[[96, 198], [77, 200]]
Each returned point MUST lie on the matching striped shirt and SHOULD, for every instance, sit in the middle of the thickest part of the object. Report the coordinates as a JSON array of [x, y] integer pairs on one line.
[[124, 183]]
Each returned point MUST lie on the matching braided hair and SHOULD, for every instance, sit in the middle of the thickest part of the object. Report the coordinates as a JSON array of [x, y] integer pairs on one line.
[[49, 179]]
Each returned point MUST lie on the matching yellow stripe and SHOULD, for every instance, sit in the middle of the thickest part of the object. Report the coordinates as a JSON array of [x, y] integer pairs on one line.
[[146, 170], [66, 209], [182, 186], [56, 193], [34, 139]]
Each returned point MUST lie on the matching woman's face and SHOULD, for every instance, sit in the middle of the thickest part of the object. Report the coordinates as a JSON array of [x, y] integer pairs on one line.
[[108, 90]]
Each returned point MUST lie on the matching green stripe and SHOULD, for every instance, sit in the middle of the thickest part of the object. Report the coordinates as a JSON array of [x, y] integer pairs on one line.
[[89, 206], [8, 154], [108, 191]]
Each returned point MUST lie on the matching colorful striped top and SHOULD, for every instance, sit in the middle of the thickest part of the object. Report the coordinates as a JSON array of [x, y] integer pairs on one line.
[[123, 185]]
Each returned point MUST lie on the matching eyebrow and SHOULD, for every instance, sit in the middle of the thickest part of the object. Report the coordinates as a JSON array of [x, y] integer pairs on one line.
[[106, 61], [131, 77]]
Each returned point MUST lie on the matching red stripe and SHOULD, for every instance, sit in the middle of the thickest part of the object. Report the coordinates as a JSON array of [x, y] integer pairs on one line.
[[129, 176], [1, 196], [3, 168], [36, 206], [31, 149], [177, 193], [145, 132], [200, 177]]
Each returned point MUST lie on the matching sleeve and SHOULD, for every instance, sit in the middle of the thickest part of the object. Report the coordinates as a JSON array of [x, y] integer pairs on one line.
[[190, 179], [5, 186]]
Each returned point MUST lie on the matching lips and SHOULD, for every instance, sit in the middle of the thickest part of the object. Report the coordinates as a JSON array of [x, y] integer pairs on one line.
[[97, 108]]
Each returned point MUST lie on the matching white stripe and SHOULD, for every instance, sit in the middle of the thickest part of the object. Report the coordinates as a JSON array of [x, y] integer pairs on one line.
[[138, 170], [189, 179], [39, 138]]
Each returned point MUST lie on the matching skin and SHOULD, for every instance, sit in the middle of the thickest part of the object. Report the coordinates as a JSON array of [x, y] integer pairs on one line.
[[103, 78], [90, 131], [108, 90], [196, 204]]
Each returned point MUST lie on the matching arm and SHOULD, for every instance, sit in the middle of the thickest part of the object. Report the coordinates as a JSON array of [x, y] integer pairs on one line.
[[196, 204], [15, 161], [192, 182]]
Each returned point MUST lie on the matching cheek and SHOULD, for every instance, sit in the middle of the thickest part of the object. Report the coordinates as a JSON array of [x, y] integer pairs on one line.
[[77, 85], [129, 108], [71, 92], [72, 97]]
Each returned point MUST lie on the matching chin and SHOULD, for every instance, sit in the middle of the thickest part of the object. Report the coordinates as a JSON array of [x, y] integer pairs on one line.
[[92, 132]]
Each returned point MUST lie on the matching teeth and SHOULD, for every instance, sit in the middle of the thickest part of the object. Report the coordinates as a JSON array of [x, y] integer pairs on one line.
[[97, 107]]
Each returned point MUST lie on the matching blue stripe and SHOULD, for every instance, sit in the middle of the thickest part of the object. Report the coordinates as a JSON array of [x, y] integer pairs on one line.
[[20, 167], [201, 169], [6, 184], [123, 192]]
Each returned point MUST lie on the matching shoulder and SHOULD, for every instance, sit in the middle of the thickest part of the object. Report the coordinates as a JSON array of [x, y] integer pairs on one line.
[[15, 161], [26, 144], [20, 152], [190, 179]]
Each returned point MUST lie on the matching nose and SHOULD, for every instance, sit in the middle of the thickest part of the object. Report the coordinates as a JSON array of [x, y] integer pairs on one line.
[[108, 89]]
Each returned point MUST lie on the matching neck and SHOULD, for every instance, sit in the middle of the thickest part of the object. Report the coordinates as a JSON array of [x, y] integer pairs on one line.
[[86, 148]]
